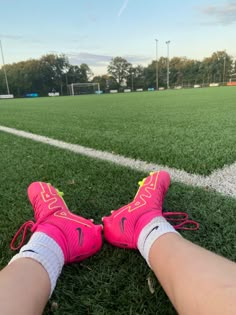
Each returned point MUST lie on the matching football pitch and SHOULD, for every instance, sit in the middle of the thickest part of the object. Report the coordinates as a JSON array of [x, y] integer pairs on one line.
[[193, 131]]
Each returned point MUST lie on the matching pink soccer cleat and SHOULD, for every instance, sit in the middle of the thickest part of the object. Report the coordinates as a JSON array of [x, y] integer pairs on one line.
[[78, 238], [123, 226]]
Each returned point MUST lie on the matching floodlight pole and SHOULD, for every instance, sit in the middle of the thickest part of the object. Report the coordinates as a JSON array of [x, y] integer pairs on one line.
[[4, 70], [224, 69], [168, 65], [132, 81], [157, 83]]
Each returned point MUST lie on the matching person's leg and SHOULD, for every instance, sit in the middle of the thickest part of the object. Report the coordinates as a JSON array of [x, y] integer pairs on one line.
[[196, 281], [24, 288], [60, 237]]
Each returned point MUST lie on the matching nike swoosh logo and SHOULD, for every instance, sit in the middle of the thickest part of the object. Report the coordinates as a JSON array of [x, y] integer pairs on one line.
[[155, 228], [80, 236], [122, 224]]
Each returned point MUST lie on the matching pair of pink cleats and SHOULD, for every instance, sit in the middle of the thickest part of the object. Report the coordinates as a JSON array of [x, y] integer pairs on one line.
[[80, 238]]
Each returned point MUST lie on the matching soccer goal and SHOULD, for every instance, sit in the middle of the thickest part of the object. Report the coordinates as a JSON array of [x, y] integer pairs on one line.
[[83, 88]]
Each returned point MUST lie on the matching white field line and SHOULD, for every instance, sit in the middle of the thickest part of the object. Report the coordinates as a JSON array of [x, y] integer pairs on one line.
[[222, 180]]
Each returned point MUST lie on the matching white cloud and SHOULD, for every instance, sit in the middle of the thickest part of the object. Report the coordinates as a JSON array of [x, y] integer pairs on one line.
[[102, 60], [90, 59], [8, 36], [224, 14]]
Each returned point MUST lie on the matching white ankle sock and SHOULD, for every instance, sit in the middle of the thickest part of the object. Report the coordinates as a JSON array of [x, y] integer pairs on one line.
[[47, 252], [150, 233]]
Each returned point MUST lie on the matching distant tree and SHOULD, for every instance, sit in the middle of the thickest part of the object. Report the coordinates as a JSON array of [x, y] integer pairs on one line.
[[111, 83], [218, 67], [50, 72], [136, 78], [150, 73], [233, 71], [103, 81], [176, 66], [183, 71], [78, 74], [25, 77], [3, 87], [190, 72], [86, 72], [74, 75], [119, 70], [54, 67]]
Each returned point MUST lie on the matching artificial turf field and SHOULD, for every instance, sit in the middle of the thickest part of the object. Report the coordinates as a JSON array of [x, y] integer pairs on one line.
[[191, 129], [194, 130]]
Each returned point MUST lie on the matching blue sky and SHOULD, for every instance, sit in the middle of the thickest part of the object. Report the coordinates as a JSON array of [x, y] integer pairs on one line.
[[93, 32]]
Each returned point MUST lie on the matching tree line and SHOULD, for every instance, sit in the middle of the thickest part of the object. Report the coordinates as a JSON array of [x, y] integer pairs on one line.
[[49, 73], [54, 72], [218, 68]]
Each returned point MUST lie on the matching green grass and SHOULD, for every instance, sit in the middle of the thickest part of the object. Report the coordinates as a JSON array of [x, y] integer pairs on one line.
[[115, 280], [192, 129]]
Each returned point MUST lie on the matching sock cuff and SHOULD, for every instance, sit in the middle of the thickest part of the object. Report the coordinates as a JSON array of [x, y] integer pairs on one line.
[[150, 233], [47, 252], [41, 239]]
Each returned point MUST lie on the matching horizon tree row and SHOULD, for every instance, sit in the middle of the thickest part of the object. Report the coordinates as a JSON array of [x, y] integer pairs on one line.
[[54, 72], [218, 68], [50, 72]]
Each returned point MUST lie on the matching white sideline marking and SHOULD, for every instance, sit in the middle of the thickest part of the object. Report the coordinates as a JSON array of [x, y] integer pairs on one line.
[[222, 180]]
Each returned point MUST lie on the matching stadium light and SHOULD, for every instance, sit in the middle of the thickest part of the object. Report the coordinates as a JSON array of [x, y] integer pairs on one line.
[[168, 65], [4, 70], [157, 83]]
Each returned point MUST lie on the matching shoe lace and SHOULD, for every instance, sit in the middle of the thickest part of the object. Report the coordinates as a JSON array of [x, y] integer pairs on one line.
[[22, 230], [181, 221]]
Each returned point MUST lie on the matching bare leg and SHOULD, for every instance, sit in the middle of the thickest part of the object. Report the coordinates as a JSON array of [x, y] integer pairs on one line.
[[59, 237], [24, 288], [197, 281]]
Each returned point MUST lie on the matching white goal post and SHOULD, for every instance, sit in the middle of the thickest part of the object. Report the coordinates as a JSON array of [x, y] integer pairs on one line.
[[83, 88]]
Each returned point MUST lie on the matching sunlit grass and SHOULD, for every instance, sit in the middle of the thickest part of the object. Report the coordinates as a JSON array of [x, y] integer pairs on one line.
[[192, 129]]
